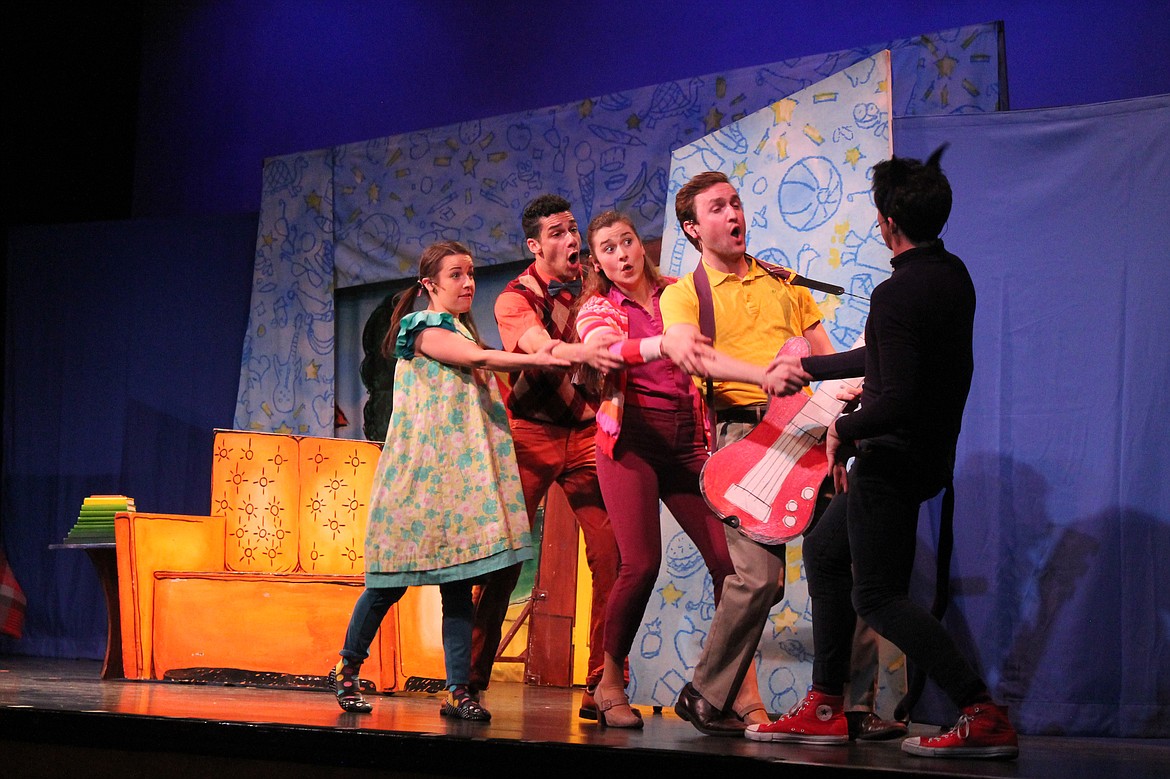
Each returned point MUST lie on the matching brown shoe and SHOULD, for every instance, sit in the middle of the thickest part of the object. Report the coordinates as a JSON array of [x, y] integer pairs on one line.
[[588, 708], [710, 721], [616, 712], [867, 726]]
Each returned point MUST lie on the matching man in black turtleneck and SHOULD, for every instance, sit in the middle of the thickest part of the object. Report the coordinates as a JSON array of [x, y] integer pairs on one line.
[[917, 362]]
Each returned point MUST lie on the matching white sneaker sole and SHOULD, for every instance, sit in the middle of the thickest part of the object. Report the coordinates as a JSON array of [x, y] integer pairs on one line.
[[795, 738], [913, 746]]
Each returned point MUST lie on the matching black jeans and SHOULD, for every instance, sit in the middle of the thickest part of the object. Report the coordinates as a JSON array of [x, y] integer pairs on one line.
[[859, 558]]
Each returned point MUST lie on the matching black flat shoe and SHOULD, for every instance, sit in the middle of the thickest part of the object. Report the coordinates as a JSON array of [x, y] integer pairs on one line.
[[349, 698], [460, 704]]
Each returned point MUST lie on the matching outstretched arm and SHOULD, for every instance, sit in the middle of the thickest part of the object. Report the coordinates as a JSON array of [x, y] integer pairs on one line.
[[596, 353], [598, 318], [693, 352], [521, 330], [454, 349], [686, 347]]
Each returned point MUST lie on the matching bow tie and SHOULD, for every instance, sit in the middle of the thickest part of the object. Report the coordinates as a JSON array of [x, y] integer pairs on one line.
[[556, 285]]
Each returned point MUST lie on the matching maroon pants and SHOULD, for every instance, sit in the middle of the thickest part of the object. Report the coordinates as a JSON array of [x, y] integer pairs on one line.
[[544, 454], [659, 454]]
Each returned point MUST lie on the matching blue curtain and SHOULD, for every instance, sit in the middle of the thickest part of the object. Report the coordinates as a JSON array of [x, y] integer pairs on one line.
[[121, 357], [1062, 519]]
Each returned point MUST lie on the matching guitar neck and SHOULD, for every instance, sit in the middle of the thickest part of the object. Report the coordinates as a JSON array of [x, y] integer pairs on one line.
[[823, 407], [758, 488]]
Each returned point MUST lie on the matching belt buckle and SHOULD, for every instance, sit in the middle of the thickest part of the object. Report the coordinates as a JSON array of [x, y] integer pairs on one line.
[[755, 413]]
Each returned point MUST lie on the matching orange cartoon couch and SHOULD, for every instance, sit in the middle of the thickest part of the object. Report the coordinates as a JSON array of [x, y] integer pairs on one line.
[[263, 585]]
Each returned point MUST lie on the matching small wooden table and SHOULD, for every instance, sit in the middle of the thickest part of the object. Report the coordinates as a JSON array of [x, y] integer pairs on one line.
[[105, 562]]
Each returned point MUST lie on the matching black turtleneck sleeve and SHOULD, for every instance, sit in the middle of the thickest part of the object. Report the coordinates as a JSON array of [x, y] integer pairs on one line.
[[842, 365]]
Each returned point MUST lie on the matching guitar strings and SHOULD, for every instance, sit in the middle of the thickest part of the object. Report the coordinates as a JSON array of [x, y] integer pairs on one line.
[[766, 478]]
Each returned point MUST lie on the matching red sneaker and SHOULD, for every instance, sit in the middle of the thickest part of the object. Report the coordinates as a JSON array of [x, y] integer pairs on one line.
[[818, 719], [983, 730]]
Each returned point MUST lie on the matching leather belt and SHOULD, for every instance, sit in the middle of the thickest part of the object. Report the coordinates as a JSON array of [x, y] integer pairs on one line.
[[748, 414]]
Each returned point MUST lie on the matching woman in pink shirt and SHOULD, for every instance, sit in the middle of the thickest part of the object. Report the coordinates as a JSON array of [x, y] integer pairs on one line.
[[651, 445]]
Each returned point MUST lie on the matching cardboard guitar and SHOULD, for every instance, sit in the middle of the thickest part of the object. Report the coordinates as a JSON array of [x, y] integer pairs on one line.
[[765, 485]]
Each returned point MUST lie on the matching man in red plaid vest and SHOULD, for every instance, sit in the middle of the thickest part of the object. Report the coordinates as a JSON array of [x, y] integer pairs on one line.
[[552, 423]]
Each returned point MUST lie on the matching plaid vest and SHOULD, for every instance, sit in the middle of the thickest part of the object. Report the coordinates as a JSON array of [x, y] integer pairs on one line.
[[546, 396]]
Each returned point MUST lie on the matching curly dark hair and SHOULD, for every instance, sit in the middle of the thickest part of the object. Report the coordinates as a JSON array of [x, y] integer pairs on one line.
[[542, 206]]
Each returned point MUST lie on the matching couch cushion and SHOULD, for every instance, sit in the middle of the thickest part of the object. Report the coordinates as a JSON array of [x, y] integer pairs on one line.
[[255, 486], [336, 480]]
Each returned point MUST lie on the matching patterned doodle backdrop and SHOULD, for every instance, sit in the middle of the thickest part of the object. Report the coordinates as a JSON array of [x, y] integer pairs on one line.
[[361, 212], [797, 137]]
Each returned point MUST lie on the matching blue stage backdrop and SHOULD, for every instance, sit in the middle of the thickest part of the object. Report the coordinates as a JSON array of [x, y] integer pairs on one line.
[[363, 212], [119, 351], [1062, 512]]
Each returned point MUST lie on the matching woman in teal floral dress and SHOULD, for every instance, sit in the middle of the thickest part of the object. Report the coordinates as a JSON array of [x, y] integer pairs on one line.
[[447, 506]]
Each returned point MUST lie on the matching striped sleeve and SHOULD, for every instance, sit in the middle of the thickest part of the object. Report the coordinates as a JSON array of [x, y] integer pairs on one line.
[[598, 315]]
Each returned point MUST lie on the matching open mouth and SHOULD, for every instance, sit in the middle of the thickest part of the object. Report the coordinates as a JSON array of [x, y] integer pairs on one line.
[[574, 258]]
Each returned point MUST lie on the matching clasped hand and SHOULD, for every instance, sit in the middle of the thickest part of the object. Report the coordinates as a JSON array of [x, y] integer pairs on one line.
[[785, 376], [690, 351], [597, 354], [544, 355]]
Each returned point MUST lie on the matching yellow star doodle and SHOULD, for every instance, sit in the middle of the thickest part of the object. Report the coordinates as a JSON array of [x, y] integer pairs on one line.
[[670, 594], [313, 200]]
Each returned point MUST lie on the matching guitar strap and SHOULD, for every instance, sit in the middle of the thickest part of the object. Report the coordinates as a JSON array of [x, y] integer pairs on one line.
[[707, 328], [942, 590], [707, 322]]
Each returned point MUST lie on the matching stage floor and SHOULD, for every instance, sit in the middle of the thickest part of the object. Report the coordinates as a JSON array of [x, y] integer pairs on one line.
[[58, 718]]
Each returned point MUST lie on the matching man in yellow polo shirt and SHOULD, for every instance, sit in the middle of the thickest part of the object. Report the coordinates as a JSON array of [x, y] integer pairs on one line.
[[754, 314]]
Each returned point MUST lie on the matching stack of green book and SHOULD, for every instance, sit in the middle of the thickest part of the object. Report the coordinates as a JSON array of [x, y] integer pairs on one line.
[[95, 523]]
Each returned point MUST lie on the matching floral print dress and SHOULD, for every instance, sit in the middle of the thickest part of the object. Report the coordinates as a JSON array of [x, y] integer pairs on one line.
[[447, 504]]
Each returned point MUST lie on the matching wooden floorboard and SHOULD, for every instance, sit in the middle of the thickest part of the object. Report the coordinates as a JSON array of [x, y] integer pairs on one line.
[[58, 718]]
